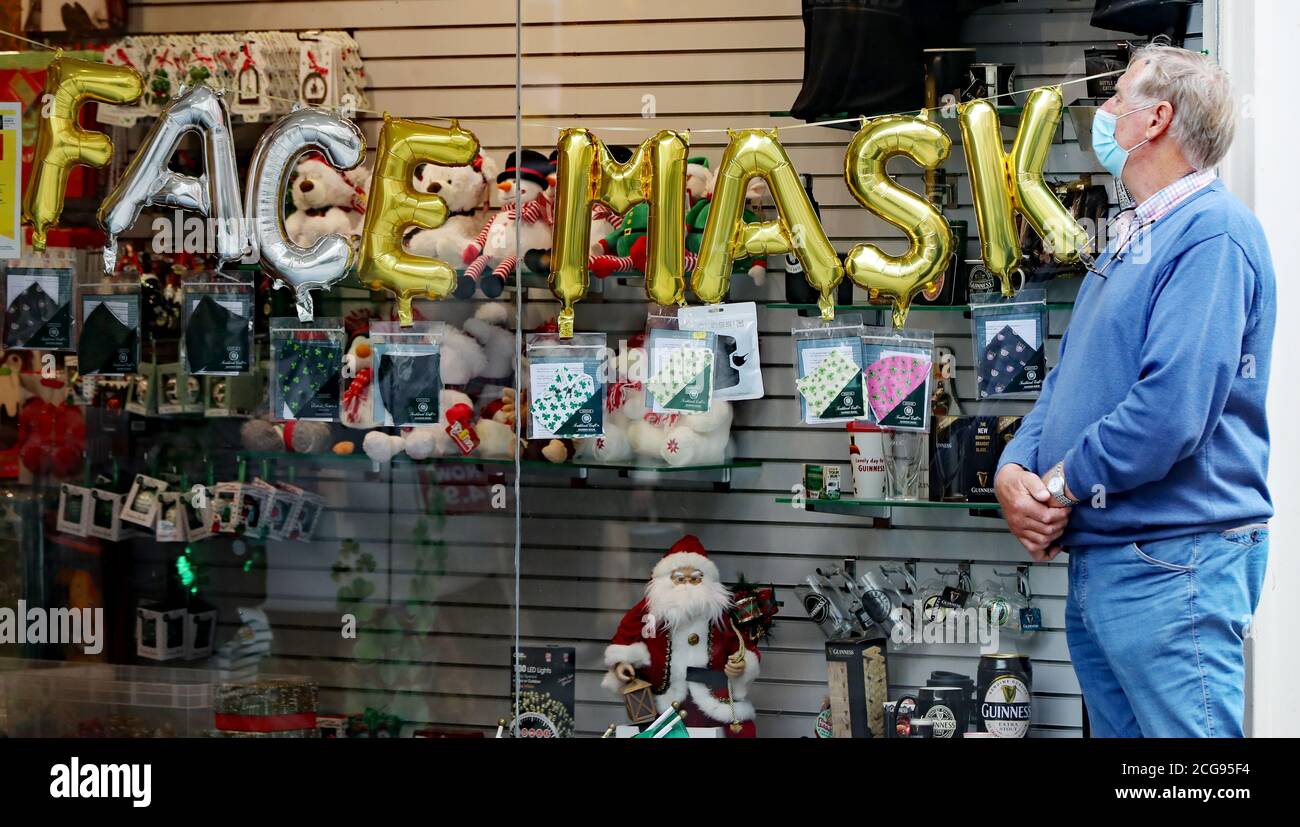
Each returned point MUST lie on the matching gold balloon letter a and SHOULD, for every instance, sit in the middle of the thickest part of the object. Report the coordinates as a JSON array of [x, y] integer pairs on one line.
[[727, 237], [586, 173], [61, 143], [393, 207], [1005, 184], [898, 278]]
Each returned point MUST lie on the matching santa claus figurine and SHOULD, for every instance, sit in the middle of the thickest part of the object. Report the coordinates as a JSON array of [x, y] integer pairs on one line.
[[682, 640]]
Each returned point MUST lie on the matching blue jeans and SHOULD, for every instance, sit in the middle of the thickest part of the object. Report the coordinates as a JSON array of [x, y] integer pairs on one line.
[[1156, 632]]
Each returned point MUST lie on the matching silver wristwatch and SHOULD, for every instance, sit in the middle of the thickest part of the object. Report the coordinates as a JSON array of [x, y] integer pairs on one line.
[[1056, 486]]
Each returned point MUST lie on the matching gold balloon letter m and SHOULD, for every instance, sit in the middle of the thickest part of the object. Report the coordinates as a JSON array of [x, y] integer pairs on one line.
[[393, 207], [61, 142], [587, 173]]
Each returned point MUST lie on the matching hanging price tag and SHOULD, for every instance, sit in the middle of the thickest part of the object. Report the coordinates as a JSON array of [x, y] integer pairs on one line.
[[465, 437]]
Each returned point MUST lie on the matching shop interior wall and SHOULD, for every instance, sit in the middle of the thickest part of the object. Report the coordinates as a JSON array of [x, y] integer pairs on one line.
[[586, 552]]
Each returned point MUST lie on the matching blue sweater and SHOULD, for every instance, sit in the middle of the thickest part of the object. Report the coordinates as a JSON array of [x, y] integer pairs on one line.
[[1157, 401]]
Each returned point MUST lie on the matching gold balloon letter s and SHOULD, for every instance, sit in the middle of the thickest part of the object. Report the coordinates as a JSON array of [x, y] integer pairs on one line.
[[727, 237], [898, 278], [1005, 184], [587, 173], [393, 207], [61, 142]]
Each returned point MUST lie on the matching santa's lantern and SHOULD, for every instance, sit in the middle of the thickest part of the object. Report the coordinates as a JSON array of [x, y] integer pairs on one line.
[[640, 701]]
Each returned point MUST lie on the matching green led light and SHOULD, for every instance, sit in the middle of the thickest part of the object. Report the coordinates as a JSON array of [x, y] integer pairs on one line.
[[186, 572]]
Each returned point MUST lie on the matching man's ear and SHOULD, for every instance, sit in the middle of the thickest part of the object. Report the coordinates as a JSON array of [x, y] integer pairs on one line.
[[1161, 119]]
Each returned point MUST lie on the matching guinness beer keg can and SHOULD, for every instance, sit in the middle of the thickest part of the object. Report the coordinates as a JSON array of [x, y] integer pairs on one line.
[[1003, 686]]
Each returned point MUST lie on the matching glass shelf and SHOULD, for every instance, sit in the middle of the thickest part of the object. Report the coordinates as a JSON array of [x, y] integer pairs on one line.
[[812, 504], [916, 308], [532, 464]]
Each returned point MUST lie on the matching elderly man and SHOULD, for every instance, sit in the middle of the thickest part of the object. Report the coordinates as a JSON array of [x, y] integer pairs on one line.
[[1146, 455]]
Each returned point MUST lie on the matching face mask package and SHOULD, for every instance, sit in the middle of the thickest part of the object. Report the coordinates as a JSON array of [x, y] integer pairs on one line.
[[408, 372], [218, 337], [680, 363], [108, 343], [38, 308], [898, 367], [828, 368], [75, 506], [565, 389], [737, 370], [142, 502], [1010, 344], [306, 368]]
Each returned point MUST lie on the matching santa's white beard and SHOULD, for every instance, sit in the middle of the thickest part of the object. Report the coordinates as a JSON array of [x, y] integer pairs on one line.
[[671, 604]]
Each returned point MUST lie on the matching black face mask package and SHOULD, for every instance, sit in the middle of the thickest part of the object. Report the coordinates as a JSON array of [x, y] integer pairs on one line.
[[1010, 344], [306, 368], [218, 338], [108, 343], [38, 308], [737, 370], [408, 372]]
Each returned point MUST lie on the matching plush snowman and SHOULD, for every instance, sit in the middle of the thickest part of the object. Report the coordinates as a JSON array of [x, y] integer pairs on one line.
[[469, 191], [496, 246], [325, 201]]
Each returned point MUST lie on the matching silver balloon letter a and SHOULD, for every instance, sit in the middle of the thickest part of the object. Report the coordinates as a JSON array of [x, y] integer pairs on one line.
[[327, 261], [148, 181]]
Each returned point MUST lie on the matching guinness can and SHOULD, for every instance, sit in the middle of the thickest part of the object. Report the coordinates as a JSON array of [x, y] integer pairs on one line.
[[1003, 687]]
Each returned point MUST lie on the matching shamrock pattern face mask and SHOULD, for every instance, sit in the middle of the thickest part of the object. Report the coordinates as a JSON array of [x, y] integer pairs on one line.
[[828, 365], [566, 392], [38, 311], [681, 370], [306, 368]]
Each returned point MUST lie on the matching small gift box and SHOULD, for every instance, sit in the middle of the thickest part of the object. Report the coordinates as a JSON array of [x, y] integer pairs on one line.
[[266, 709], [160, 631]]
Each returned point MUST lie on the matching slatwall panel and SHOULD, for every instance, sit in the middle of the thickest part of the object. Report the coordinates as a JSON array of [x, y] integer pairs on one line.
[[586, 552]]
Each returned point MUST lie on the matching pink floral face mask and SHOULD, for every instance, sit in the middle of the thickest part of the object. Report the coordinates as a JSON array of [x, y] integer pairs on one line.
[[890, 380]]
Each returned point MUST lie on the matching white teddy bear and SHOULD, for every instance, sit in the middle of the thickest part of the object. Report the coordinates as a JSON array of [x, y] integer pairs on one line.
[[633, 432], [469, 191], [496, 440], [490, 327], [325, 201]]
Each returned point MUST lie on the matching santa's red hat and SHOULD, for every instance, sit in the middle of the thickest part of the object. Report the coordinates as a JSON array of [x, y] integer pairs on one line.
[[688, 551]]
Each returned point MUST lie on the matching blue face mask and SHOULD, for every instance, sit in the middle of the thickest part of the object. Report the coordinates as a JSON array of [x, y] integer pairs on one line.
[[1112, 156]]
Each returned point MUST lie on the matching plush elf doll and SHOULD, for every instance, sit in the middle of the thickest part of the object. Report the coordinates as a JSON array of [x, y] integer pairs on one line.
[[698, 216], [625, 248]]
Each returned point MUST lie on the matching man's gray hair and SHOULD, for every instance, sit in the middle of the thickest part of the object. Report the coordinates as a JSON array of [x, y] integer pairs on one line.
[[1205, 114]]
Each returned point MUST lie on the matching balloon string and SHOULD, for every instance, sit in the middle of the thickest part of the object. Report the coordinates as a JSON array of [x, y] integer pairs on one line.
[[855, 119], [17, 36], [837, 121]]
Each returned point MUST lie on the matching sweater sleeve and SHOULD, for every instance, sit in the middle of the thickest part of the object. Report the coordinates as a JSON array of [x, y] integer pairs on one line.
[[1022, 450], [1190, 358]]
